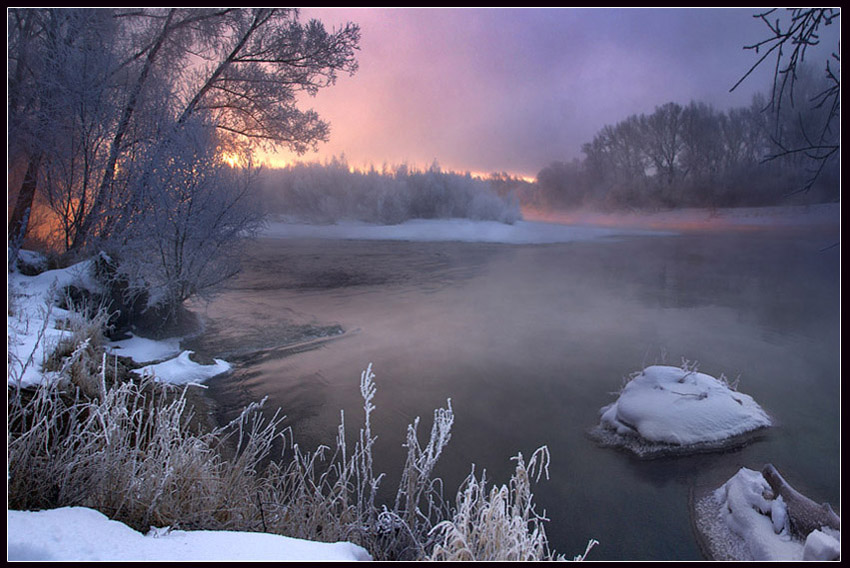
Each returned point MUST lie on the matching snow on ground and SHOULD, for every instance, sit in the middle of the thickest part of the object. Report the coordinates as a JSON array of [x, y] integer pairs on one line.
[[743, 520], [666, 409], [34, 323], [33, 328], [81, 534], [182, 370], [462, 230], [144, 350]]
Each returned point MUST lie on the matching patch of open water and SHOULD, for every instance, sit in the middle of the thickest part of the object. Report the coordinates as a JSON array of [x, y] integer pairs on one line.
[[529, 342]]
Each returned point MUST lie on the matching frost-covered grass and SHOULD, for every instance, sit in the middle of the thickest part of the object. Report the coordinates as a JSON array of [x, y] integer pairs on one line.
[[499, 523], [133, 455], [85, 435]]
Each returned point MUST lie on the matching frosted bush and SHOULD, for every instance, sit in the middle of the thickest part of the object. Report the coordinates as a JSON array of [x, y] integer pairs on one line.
[[135, 451], [333, 192]]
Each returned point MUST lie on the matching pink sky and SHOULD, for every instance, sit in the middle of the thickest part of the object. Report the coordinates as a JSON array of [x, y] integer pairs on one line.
[[486, 90]]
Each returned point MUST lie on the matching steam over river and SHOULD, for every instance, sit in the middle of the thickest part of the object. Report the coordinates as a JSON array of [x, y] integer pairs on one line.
[[529, 342]]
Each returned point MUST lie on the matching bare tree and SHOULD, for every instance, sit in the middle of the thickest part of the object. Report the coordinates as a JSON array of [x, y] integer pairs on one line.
[[789, 42]]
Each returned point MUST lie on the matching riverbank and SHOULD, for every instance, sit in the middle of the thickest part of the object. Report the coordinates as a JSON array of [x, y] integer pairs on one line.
[[528, 341]]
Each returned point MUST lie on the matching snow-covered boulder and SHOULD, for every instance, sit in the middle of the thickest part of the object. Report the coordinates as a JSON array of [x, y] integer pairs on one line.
[[821, 545], [30, 262], [671, 410], [744, 519]]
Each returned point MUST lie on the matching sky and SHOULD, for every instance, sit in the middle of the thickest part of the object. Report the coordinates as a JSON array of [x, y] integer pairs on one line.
[[511, 90]]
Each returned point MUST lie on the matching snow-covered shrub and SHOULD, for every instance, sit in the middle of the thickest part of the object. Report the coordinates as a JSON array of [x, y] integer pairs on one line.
[[326, 193], [499, 523]]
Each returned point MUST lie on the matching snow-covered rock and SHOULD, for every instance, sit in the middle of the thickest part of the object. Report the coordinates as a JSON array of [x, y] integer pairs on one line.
[[820, 545], [666, 409], [744, 520]]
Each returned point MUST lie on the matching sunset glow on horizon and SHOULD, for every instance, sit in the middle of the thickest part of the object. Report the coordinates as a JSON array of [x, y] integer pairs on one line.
[[512, 90]]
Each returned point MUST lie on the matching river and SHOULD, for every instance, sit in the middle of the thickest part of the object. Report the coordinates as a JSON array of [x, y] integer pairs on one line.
[[529, 342]]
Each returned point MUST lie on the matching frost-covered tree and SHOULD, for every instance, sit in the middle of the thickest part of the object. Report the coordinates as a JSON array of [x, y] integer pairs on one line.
[[186, 237], [110, 110], [241, 70], [59, 110]]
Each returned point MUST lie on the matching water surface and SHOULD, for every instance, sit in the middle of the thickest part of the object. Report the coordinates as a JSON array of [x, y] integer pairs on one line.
[[530, 341]]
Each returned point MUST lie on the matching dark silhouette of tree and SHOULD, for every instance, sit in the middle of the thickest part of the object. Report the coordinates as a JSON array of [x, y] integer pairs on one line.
[[788, 43]]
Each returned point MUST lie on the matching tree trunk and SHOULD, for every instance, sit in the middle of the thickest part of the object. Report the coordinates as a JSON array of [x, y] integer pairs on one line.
[[105, 187], [19, 221]]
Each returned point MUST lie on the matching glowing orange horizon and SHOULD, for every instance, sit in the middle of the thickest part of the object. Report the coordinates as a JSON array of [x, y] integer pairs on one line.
[[277, 161]]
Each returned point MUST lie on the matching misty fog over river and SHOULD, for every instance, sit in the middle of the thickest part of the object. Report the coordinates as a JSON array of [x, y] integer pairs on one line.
[[529, 341]]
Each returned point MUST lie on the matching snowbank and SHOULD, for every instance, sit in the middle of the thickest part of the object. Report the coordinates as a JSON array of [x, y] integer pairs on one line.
[[744, 520], [144, 350], [35, 325], [462, 230], [77, 533], [182, 370], [665, 410]]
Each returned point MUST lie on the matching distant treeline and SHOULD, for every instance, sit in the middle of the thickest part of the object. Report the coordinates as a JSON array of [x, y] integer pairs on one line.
[[696, 156], [325, 193], [677, 156]]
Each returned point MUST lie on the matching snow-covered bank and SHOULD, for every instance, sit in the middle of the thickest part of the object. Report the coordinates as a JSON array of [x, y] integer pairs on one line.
[[461, 230], [671, 410], [549, 227], [35, 326], [81, 534], [182, 370], [745, 520]]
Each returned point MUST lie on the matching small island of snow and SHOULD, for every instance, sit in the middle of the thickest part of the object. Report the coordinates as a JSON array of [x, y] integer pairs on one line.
[[671, 410]]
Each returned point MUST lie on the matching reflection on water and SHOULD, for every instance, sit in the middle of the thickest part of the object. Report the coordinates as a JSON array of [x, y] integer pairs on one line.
[[530, 341]]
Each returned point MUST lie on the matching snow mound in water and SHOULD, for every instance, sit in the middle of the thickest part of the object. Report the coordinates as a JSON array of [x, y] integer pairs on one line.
[[664, 410]]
